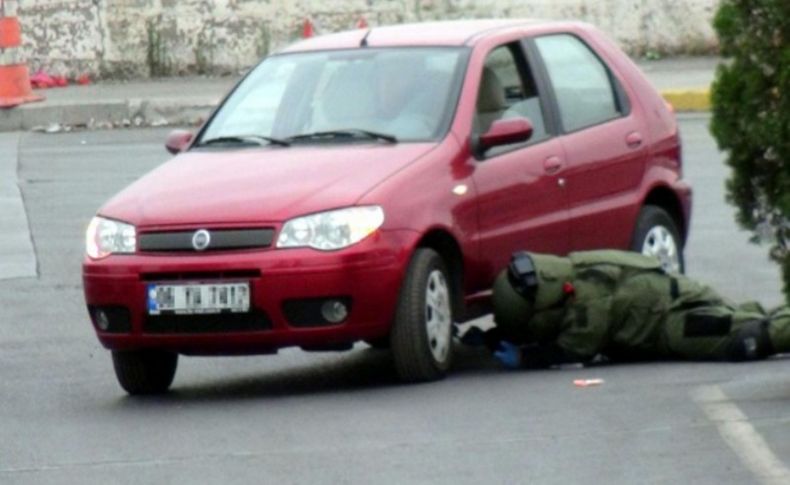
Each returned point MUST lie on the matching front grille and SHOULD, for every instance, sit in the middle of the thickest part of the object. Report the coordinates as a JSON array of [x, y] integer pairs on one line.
[[242, 274], [220, 239], [214, 323]]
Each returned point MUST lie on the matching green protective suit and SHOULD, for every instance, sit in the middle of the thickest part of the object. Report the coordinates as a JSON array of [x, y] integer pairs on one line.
[[624, 306]]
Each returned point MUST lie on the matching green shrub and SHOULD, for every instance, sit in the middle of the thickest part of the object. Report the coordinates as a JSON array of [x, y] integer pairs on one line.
[[751, 118]]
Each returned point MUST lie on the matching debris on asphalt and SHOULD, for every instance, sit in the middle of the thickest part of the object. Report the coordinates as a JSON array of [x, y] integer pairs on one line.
[[51, 128], [93, 124], [587, 382], [43, 80]]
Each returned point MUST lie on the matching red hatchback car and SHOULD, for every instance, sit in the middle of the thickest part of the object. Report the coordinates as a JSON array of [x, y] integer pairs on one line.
[[369, 185]]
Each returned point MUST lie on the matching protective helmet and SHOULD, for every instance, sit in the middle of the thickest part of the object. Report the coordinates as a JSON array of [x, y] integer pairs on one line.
[[512, 310], [553, 272]]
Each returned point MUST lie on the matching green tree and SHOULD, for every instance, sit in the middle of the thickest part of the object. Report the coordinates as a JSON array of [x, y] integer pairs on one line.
[[751, 118]]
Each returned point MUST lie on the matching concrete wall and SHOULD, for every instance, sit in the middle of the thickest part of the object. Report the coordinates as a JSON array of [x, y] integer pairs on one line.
[[135, 38]]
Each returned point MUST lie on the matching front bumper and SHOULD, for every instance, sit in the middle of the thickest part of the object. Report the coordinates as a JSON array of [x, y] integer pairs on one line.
[[369, 274]]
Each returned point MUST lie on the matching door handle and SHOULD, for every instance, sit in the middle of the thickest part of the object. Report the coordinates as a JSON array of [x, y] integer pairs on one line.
[[553, 165], [634, 139]]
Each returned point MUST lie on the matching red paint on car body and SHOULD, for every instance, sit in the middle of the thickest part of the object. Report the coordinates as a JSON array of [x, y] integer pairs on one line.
[[575, 190]]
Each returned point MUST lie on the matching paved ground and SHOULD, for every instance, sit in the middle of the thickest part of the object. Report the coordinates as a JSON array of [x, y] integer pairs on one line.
[[342, 418], [680, 72]]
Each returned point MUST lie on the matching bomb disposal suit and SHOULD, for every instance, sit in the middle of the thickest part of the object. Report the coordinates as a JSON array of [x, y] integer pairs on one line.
[[623, 306]]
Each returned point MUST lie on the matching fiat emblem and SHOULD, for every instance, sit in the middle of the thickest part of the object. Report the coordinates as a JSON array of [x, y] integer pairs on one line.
[[201, 240]]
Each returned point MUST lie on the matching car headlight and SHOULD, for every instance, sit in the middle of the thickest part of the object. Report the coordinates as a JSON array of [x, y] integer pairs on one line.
[[105, 237], [328, 231]]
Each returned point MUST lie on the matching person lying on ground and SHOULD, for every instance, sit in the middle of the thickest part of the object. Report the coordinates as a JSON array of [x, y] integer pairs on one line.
[[621, 306]]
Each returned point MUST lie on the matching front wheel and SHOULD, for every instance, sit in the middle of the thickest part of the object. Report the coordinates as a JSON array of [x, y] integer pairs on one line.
[[421, 338], [144, 371], [656, 234]]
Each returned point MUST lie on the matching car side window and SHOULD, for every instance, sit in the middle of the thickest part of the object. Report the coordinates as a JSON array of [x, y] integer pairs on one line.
[[582, 83], [508, 90]]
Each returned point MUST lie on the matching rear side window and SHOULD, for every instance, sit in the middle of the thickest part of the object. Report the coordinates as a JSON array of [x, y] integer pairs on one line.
[[582, 83]]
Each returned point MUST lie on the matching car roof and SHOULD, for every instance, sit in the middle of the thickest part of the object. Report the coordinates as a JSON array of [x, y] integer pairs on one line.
[[445, 33]]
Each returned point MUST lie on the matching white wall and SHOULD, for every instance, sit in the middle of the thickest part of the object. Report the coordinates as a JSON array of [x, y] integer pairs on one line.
[[138, 37]]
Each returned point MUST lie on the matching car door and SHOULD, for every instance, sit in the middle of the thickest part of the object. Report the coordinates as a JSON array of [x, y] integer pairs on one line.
[[603, 140], [521, 200]]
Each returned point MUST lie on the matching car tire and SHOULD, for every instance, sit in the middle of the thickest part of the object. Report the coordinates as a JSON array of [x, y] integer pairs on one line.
[[421, 337], [144, 371], [656, 234]]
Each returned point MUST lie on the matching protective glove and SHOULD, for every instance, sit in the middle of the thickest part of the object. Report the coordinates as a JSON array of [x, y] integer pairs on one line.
[[509, 354], [476, 337]]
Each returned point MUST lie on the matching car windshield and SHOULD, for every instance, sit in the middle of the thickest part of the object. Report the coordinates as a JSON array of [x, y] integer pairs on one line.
[[404, 94]]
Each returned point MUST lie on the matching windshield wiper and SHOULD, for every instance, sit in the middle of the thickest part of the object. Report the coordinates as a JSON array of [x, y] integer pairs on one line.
[[258, 139], [349, 133]]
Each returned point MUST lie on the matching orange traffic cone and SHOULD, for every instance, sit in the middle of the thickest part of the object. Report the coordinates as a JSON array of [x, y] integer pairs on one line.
[[308, 30], [14, 76]]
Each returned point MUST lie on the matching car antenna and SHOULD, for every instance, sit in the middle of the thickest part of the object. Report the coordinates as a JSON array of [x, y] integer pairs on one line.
[[364, 41]]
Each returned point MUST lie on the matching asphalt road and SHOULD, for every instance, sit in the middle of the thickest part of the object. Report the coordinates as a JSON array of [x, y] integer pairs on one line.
[[343, 418]]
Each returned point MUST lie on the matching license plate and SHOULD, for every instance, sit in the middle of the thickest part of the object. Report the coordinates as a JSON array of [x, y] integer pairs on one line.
[[194, 298]]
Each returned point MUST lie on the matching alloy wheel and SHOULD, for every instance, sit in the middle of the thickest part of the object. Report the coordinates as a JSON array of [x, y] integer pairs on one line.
[[438, 315], [660, 243]]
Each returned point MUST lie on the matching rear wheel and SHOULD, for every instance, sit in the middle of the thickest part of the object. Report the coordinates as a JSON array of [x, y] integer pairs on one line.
[[657, 235], [421, 338], [144, 371]]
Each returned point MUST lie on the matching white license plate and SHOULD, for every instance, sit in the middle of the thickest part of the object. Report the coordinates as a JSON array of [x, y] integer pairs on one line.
[[193, 298]]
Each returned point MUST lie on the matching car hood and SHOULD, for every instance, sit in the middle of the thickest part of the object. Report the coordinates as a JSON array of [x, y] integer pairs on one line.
[[269, 184]]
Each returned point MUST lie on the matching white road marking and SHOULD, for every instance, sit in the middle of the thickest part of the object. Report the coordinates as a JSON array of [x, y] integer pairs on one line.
[[740, 435], [17, 255]]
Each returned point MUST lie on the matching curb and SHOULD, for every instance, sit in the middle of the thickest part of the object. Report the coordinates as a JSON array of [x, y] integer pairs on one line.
[[106, 114], [17, 254], [688, 99], [55, 117]]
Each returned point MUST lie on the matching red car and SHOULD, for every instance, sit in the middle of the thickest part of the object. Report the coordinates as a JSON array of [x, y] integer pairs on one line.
[[369, 185]]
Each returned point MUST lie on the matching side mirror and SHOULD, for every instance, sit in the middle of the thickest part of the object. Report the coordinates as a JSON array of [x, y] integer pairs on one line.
[[505, 132], [178, 140]]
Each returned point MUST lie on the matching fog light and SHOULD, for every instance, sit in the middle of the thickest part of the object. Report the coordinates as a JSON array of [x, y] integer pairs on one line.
[[334, 311], [102, 320]]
